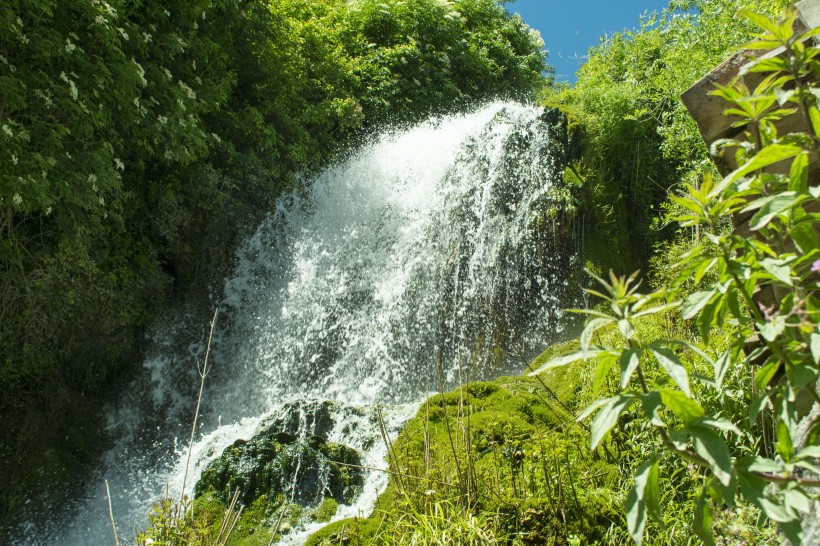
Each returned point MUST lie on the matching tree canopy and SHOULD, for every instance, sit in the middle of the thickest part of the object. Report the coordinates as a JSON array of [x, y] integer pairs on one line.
[[139, 140]]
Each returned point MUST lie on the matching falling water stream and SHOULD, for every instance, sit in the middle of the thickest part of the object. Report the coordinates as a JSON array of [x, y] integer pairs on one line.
[[436, 254]]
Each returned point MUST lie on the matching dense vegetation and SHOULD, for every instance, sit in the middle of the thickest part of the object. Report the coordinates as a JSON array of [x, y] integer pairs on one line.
[[140, 139], [638, 140], [697, 390], [696, 430]]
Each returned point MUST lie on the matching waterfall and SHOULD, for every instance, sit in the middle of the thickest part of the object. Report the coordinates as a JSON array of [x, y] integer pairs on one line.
[[430, 256]]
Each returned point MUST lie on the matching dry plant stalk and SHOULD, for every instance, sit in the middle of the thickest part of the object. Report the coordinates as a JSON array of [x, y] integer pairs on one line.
[[203, 372], [111, 514]]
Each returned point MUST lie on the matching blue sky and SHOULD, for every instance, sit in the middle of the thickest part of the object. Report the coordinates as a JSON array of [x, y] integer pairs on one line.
[[571, 27]]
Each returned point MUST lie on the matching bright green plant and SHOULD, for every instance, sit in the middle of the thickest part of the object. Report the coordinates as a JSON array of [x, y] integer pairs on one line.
[[759, 289], [638, 138]]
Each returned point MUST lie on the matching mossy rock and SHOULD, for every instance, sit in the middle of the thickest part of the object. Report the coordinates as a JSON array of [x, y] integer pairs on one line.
[[326, 510], [347, 532], [282, 460]]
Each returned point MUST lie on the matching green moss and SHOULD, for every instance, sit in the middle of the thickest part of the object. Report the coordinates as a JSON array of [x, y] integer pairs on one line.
[[347, 532], [326, 510], [256, 526]]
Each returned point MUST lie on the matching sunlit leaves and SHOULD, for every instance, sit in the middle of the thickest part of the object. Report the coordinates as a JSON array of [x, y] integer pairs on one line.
[[750, 306], [670, 362], [607, 415], [643, 499]]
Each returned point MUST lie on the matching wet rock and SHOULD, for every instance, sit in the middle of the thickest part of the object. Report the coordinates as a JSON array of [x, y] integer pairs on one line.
[[290, 455]]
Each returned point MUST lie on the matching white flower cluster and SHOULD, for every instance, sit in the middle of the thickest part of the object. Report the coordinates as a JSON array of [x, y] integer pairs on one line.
[[72, 87], [17, 200], [535, 36], [140, 72], [188, 91], [69, 46], [7, 130], [45, 96]]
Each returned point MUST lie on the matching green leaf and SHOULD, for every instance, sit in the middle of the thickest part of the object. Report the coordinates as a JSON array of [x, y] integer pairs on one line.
[[774, 153], [814, 115], [642, 498], [772, 329], [626, 328], [759, 464], [810, 466], [670, 362], [652, 496], [774, 205], [687, 409], [804, 237], [607, 416], [720, 424], [568, 359], [652, 404], [775, 511], [792, 530], [754, 490], [721, 365], [708, 316], [593, 326], [796, 500], [760, 20], [629, 363], [809, 452], [590, 409], [657, 309], [695, 302], [785, 447], [756, 407], [711, 447], [779, 269], [815, 347], [733, 304], [605, 363], [703, 517], [799, 176], [765, 374], [704, 268]]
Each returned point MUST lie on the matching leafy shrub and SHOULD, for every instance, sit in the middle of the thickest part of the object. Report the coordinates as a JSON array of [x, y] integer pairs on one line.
[[759, 289]]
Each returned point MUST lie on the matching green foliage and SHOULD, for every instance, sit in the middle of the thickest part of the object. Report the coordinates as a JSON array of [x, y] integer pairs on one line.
[[492, 462], [174, 524], [140, 140], [418, 57], [638, 139], [326, 510], [760, 290]]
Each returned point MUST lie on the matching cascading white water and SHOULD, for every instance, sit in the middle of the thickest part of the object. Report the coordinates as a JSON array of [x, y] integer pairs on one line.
[[433, 255]]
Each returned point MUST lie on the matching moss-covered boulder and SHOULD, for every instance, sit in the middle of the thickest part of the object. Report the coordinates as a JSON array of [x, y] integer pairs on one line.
[[289, 456]]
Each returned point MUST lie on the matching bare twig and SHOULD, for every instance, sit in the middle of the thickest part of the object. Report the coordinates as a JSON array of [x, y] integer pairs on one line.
[[203, 372], [278, 522], [111, 514], [226, 519]]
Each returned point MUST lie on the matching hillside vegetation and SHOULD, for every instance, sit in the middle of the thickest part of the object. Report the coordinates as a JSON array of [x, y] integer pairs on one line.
[[141, 140]]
